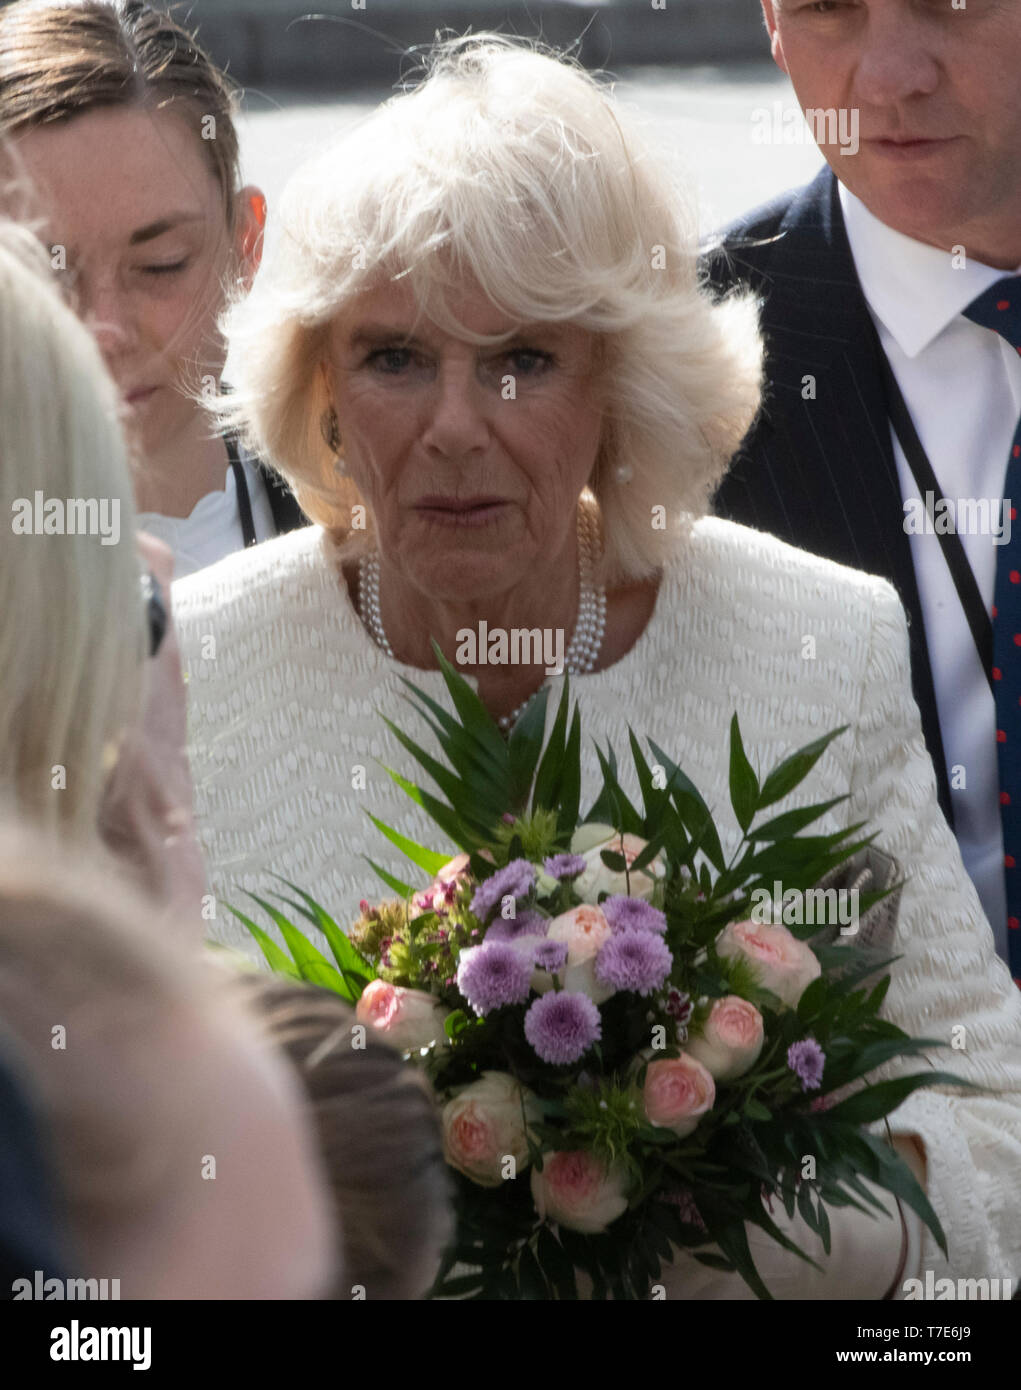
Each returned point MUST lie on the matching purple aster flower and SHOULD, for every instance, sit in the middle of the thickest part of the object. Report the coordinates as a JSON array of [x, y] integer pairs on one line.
[[551, 955], [631, 914], [513, 881], [639, 961], [562, 1027], [492, 975], [564, 865], [806, 1060], [527, 923]]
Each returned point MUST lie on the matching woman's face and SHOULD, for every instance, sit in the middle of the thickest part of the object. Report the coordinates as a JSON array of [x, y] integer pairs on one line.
[[131, 198], [471, 458]]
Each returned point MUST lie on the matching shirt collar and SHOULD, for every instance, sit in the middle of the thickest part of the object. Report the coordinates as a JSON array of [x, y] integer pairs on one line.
[[911, 287]]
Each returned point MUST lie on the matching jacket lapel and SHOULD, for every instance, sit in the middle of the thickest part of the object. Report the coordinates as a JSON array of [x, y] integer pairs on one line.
[[820, 470]]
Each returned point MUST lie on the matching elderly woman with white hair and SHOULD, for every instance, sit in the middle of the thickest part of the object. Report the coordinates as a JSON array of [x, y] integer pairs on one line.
[[480, 353]]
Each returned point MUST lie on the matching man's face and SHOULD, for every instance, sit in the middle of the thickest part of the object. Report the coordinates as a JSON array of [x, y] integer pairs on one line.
[[939, 120]]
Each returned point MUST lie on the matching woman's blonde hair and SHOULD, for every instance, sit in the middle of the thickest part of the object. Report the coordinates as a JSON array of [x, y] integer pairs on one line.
[[514, 169], [71, 630], [379, 1135], [62, 58]]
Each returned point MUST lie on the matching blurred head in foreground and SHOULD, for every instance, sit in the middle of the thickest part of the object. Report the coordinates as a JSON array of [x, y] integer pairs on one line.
[[184, 1162], [379, 1136]]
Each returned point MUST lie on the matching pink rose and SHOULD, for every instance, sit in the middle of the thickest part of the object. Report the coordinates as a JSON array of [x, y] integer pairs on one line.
[[583, 930], [483, 1126], [731, 1040], [405, 1018], [782, 963], [578, 1191], [678, 1092]]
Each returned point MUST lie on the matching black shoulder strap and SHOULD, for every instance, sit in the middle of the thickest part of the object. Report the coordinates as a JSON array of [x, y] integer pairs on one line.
[[241, 484], [979, 621], [287, 515]]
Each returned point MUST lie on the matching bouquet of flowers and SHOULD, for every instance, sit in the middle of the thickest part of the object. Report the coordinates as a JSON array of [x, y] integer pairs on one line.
[[630, 1054]]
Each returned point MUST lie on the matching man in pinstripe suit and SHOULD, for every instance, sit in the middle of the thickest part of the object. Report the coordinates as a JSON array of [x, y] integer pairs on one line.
[[878, 258]]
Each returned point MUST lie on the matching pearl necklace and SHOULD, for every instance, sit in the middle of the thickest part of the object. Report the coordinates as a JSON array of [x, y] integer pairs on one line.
[[586, 641]]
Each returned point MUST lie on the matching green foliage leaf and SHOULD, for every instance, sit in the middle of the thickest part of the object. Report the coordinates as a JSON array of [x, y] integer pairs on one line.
[[445, 816], [312, 964], [755, 1110], [455, 1023], [897, 1177], [397, 885], [278, 960], [554, 765], [473, 714], [792, 822], [478, 808], [732, 1239], [533, 1285], [355, 969], [622, 815], [793, 770], [471, 762], [523, 749], [569, 791], [876, 1101], [692, 810], [426, 859], [744, 785]]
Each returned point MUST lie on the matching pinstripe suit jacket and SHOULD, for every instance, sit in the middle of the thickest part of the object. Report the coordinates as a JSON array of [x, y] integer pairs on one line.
[[820, 473]]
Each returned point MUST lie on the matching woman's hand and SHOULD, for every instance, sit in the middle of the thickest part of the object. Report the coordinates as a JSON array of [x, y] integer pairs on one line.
[[147, 815], [867, 1254]]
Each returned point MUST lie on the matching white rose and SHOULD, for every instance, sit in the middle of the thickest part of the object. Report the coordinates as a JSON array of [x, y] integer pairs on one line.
[[483, 1127], [598, 878]]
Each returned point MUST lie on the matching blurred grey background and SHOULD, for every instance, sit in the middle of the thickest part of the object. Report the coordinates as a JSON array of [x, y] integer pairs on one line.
[[697, 71]]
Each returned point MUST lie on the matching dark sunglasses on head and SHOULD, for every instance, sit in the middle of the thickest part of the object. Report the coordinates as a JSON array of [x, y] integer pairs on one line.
[[155, 611]]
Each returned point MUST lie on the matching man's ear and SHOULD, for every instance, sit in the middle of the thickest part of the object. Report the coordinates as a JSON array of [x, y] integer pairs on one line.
[[251, 223], [775, 46]]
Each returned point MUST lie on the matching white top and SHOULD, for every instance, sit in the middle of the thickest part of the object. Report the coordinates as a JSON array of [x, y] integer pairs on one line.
[[213, 527], [962, 385], [285, 692]]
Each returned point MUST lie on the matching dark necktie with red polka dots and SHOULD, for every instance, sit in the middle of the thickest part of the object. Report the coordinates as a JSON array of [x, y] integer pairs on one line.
[[999, 308]]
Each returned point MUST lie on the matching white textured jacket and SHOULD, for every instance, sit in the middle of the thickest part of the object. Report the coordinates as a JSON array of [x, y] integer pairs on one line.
[[285, 687]]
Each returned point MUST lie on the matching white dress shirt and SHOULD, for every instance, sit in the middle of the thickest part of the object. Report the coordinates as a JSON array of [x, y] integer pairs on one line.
[[962, 385], [213, 529]]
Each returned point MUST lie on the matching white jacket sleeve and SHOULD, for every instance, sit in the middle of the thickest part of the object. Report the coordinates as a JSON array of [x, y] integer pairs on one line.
[[949, 984]]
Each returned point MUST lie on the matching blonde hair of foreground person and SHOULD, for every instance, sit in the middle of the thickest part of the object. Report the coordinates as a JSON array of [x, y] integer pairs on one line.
[[516, 171], [379, 1134], [145, 1066], [72, 638]]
